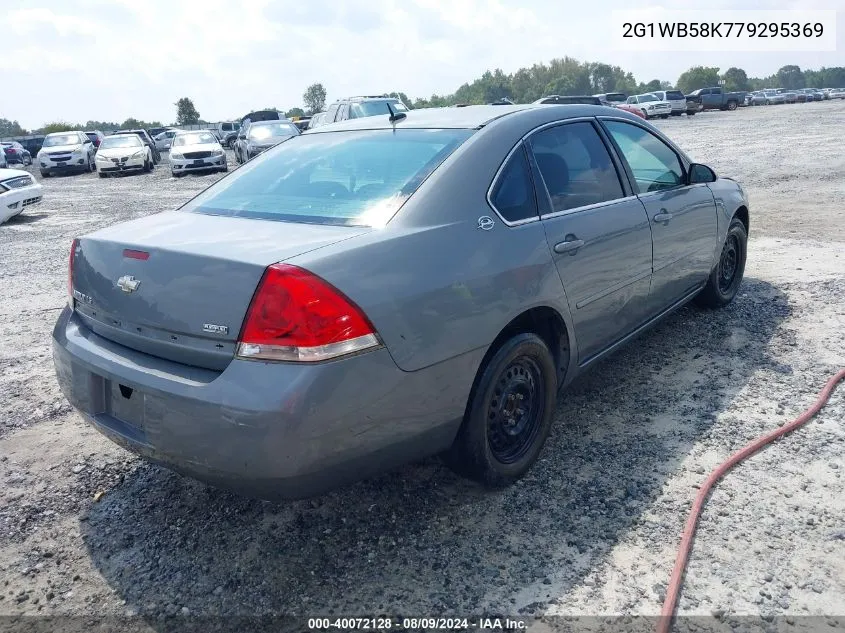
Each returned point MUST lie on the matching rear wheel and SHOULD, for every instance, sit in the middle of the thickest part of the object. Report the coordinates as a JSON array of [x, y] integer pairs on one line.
[[45, 174], [664, 116], [102, 175], [726, 276], [509, 413], [731, 105]]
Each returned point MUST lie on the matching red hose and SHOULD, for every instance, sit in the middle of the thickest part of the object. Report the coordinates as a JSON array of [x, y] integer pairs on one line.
[[674, 589]]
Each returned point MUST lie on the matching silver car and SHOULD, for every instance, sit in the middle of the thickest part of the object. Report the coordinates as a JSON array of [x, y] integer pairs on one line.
[[198, 150], [164, 139], [389, 288]]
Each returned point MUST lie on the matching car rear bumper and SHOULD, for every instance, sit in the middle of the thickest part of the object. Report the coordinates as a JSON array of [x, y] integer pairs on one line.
[[190, 164], [268, 430]]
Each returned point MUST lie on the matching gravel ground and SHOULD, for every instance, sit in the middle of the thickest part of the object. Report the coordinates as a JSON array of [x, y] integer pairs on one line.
[[591, 531]]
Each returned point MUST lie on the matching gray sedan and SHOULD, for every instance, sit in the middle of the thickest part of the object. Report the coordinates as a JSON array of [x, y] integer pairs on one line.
[[376, 291]]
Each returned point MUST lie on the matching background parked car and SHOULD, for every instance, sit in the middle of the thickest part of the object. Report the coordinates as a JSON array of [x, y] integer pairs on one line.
[[14, 152], [790, 97], [18, 190], [316, 120], [121, 153], [65, 152], [227, 132], [163, 139], [301, 122], [755, 98], [155, 131], [96, 137], [651, 105], [360, 107], [148, 141], [3, 163], [261, 136], [630, 108], [674, 97], [196, 150], [773, 97], [716, 99]]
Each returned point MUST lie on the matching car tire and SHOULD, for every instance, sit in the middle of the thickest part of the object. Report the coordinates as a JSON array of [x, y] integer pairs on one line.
[[177, 174], [664, 116], [492, 446], [726, 276], [45, 174], [102, 175], [690, 113]]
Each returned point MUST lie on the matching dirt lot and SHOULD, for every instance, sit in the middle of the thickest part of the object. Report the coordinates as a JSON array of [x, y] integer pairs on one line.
[[592, 530]]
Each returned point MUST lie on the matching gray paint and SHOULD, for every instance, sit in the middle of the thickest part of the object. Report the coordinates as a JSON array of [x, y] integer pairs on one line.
[[437, 288]]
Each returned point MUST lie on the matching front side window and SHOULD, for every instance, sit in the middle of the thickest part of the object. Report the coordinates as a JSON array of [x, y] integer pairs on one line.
[[513, 195], [358, 178], [575, 165], [654, 164]]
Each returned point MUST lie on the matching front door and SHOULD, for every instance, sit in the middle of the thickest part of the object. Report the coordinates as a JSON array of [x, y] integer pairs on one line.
[[598, 233], [682, 216]]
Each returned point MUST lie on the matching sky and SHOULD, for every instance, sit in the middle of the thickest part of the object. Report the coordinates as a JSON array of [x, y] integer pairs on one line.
[[107, 60]]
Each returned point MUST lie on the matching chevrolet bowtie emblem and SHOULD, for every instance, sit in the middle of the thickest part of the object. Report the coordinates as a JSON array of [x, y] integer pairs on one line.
[[128, 283]]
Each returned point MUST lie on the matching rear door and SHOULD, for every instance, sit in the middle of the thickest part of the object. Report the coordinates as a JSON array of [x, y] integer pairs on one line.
[[683, 217], [598, 233]]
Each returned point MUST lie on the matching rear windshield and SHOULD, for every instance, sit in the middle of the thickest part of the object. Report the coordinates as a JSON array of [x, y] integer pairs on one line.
[[674, 95], [194, 138], [355, 178], [374, 108], [120, 141], [61, 139], [258, 131], [615, 97]]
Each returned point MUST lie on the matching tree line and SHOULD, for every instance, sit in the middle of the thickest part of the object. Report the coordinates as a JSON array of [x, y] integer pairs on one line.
[[563, 76]]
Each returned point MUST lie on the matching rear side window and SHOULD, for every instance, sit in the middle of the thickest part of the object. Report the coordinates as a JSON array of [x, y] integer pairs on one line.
[[575, 165], [356, 178], [654, 164], [513, 195]]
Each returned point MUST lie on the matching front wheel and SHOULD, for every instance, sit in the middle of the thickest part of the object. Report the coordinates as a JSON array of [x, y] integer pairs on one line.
[[664, 116], [726, 276], [731, 105], [45, 174], [508, 415]]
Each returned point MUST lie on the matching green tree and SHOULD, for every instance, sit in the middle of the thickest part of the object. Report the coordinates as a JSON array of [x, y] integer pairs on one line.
[[651, 86], [791, 77], [314, 98], [10, 128], [735, 79], [832, 77], [186, 113], [132, 124], [295, 112], [698, 77], [58, 126]]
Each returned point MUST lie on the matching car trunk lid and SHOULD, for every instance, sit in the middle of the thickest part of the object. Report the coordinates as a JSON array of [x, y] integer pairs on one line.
[[177, 285]]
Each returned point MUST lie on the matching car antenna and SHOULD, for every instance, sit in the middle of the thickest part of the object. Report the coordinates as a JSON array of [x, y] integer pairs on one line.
[[394, 116]]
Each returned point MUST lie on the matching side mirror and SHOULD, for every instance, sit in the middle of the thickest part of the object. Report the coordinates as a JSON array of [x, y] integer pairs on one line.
[[699, 173]]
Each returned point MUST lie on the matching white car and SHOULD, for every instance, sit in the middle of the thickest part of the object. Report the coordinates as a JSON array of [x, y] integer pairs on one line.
[[163, 140], [196, 150], [651, 105], [3, 163], [123, 153], [18, 190], [66, 151]]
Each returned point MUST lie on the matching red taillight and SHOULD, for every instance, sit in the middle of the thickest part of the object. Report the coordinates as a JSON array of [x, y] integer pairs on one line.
[[73, 246], [296, 316]]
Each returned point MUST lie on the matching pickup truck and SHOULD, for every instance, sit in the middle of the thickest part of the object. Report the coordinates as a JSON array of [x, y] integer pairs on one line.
[[716, 99]]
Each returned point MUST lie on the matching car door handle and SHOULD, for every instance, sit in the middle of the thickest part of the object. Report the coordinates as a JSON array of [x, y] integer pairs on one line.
[[568, 246], [662, 216]]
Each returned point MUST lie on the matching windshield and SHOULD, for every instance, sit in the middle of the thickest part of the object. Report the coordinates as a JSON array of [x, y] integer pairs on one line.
[[61, 139], [649, 97], [120, 141], [197, 138], [267, 130], [356, 178], [373, 108]]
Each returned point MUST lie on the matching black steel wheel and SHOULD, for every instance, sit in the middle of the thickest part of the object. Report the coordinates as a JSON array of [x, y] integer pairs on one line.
[[726, 276], [509, 413]]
